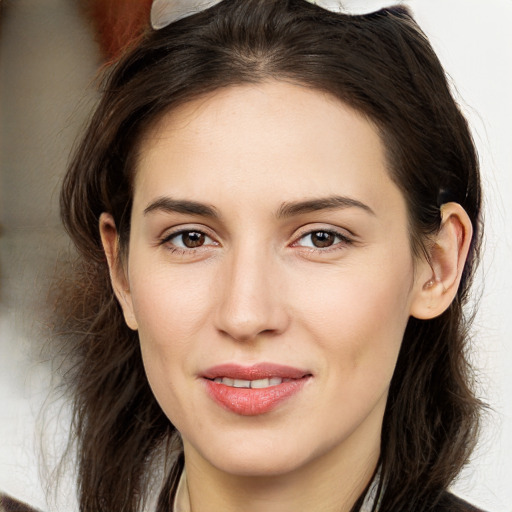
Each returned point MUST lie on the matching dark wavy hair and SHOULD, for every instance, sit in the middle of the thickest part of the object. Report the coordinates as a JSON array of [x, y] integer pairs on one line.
[[380, 64]]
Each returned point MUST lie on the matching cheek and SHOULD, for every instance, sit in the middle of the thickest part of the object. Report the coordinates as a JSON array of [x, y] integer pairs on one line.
[[170, 309], [169, 315], [358, 313], [167, 304]]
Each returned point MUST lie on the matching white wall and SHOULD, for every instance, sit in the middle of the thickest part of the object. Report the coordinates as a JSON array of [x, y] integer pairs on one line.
[[48, 61], [474, 41]]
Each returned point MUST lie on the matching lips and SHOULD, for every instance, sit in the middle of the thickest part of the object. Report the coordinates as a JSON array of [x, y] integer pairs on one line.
[[253, 390]]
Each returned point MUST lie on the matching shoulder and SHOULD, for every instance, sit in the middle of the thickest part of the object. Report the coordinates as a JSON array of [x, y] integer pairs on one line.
[[8, 504], [451, 503]]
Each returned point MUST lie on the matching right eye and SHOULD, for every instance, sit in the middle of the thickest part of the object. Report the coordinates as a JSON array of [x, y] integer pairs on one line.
[[187, 240]]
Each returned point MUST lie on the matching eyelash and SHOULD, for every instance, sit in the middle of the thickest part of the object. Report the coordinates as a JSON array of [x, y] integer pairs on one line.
[[342, 241], [166, 240]]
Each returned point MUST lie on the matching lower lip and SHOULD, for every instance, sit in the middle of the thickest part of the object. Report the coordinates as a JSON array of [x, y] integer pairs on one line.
[[252, 402]]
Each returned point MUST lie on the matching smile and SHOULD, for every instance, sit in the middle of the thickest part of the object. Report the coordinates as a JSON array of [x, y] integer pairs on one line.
[[252, 384], [253, 390]]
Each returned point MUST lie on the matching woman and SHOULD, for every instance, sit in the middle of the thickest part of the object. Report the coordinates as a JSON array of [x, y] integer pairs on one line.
[[277, 208]]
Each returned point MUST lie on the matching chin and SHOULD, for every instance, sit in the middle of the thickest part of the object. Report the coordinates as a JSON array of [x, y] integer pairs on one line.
[[264, 464], [258, 455]]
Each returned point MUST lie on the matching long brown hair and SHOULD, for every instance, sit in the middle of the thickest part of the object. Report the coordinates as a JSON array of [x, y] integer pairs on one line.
[[383, 66]]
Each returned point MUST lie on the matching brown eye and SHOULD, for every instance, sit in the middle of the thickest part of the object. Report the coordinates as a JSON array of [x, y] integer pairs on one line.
[[192, 239], [186, 241], [322, 239]]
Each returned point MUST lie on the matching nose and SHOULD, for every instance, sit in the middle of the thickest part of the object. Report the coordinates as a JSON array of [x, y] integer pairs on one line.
[[252, 300]]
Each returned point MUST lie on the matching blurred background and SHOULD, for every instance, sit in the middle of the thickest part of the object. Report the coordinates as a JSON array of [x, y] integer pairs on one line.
[[51, 54]]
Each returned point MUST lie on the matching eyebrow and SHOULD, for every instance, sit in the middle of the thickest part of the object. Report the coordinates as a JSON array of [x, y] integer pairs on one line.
[[324, 203], [170, 205], [286, 210]]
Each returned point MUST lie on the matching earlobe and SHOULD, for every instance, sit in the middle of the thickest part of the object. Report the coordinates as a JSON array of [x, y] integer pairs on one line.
[[120, 284], [438, 279]]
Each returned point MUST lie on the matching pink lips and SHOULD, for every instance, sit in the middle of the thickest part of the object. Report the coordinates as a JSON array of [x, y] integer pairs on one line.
[[250, 401]]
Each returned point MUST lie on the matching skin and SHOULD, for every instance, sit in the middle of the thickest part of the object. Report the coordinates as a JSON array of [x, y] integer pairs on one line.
[[256, 289]]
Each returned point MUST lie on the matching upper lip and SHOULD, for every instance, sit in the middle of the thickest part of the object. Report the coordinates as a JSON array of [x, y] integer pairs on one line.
[[254, 372]]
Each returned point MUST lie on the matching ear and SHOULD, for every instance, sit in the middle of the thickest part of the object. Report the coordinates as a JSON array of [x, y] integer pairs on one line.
[[437, 279], [118, 277]]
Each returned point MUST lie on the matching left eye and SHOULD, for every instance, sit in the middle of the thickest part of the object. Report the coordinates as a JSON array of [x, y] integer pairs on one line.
[[320, 239], [189, 239]]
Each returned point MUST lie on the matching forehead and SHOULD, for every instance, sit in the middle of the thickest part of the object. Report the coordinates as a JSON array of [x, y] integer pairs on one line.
[[276, 141]]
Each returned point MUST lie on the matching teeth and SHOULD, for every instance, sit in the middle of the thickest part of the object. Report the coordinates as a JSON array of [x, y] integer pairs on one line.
[[254, 384], [264, 383], [238, 383]]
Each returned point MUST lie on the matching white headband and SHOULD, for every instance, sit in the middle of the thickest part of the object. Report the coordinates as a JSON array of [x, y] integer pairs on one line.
[[165, 12]]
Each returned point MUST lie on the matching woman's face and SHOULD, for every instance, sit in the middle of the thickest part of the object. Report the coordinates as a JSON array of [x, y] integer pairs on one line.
[[270, 277]]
